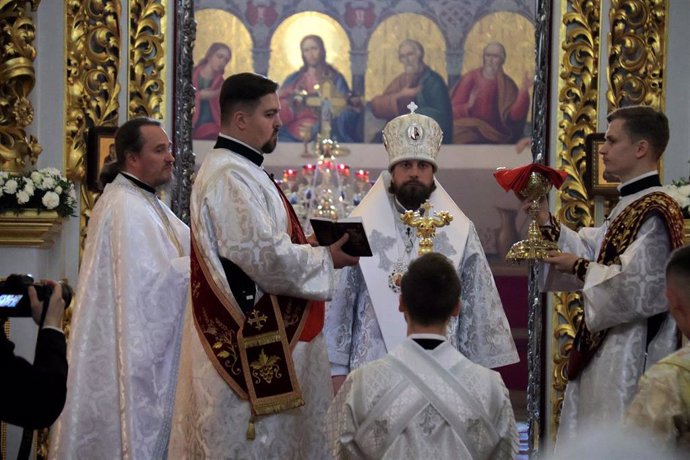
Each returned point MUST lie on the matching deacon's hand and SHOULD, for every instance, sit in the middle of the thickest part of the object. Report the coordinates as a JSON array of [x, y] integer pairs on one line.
[[562, 261], [311, 239], [340, 258]]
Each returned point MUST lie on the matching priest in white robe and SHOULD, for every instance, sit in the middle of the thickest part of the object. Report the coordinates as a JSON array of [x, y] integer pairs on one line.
[[254, 380], [424, 399], [124, 342], [619, 267], [362, 323]]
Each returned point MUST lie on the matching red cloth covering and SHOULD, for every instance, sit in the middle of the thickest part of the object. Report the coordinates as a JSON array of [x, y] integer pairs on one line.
[[515, 179]]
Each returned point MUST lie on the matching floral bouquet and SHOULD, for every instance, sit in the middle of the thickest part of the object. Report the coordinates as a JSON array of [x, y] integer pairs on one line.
[[679, 190], [41, 190]]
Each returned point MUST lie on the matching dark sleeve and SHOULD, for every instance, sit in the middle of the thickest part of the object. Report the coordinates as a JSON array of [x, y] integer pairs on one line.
[[33, 395]]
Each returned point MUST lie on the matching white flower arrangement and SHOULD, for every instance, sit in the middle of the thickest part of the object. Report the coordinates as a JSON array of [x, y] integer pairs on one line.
[[679, 190], [43, 190]]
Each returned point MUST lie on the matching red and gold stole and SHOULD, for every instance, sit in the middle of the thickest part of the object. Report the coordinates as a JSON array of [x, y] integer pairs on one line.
[[619, 236], [253, 353]]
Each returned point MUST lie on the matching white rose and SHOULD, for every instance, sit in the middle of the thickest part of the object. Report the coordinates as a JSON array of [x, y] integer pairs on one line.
[[36, 177], [684, 190], [29, 188], [58, 190], [51, 172], [10, 187], [51, 200], [22, 197], [48, 182]]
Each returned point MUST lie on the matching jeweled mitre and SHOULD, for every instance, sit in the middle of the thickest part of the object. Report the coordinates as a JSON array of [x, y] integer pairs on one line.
[[412, 137]]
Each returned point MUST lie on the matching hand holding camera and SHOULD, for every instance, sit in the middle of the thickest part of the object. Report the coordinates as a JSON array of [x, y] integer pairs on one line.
[[45, 301], [55, 309]]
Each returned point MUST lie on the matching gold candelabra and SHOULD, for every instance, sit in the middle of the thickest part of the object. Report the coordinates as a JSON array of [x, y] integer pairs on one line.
[[426, 225], [535, 247]]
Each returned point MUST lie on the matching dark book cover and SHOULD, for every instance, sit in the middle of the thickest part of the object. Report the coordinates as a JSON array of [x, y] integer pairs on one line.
[[329, 231]]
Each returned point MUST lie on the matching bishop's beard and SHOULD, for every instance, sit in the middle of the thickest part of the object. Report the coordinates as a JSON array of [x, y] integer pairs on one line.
[[412, 194]]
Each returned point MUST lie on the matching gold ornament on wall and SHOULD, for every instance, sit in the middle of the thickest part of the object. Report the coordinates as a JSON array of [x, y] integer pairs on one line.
[[92, 53], [92, 43], [17, 33], [578, 105], [147, 21], [636, 54]]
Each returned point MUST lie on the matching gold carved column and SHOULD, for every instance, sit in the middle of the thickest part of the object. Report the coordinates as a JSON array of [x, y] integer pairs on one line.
[[17, 78], [637, 55], [147, 21], [578, 107], [92, 53]]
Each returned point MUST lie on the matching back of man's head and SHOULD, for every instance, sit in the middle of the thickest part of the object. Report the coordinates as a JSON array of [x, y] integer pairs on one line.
[[243, 91], [430, 289], [128, 140], [644, 122], [678, 287]]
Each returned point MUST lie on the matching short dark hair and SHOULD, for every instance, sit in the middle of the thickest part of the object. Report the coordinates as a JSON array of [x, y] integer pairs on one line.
[[128, 139], [243, 90], [678, 264], [430, 289], [644, 122]]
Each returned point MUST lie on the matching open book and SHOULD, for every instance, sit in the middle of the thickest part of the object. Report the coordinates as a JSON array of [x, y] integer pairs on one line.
[[329, 231]]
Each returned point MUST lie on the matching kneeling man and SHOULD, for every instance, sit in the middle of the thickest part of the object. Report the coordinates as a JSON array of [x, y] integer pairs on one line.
[[424, 399]]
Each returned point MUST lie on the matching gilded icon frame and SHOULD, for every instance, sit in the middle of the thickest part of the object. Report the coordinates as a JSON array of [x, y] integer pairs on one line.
[[100, 149], [595, 180]]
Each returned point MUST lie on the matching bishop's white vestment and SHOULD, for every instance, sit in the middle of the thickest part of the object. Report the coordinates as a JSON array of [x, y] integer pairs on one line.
[[237, 213], [362, 319], [416, 403], [620, 297], [123, 347]]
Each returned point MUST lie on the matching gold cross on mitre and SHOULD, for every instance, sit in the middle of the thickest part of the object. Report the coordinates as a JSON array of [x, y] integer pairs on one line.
[[426, 225]]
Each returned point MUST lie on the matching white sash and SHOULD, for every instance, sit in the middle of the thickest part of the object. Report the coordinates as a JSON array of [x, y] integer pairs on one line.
[[378, 214]]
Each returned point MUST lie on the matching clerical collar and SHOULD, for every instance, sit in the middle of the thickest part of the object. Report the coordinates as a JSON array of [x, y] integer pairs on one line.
[[642, 182], [138, 182], [427, 335], [427, 341], [240, 148]]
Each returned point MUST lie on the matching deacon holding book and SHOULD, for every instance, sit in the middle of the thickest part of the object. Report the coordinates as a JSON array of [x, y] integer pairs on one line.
[[253, 379], [362, 321]]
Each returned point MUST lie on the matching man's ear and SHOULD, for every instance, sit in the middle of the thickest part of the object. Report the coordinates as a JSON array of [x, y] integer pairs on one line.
[[131, 159], [240, 119], [643, 148]]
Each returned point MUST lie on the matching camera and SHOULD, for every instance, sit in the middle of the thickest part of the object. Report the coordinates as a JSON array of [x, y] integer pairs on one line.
[[14, 295]]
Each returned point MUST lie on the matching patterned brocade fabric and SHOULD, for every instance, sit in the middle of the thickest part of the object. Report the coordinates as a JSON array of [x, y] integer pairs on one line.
[[552, 230]]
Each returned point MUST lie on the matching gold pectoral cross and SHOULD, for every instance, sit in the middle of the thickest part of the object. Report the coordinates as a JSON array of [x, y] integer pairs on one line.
[[426, 225]]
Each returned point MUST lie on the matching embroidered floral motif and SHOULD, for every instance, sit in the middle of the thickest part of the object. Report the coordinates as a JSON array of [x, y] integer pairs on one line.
[[265, 368]]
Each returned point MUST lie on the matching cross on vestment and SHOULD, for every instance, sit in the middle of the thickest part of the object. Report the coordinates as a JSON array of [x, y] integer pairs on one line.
[[329, 103]]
